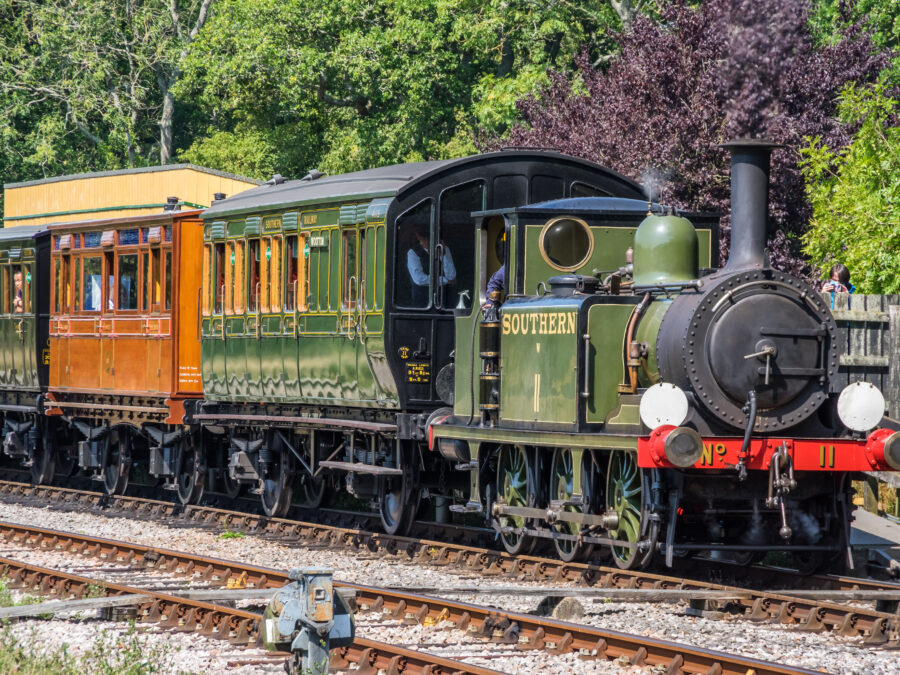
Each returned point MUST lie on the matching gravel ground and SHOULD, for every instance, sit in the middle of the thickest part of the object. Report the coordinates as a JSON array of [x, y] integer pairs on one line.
[[824, 652]]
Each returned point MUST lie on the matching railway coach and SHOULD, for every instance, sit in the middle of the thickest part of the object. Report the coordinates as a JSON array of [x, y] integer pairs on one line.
[[123, 347]]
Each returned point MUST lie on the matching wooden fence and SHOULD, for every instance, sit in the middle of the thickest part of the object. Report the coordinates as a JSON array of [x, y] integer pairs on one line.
[[869, 328]]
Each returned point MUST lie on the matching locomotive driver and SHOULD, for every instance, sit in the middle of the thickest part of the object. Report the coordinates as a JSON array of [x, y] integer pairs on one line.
[[418, 263]]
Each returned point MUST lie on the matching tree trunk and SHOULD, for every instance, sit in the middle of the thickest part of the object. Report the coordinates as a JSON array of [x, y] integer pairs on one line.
[[165, 122], [625, 10]]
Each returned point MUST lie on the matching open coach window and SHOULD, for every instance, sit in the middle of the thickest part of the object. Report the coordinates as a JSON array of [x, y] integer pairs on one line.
[[414, 257], [456, 244]]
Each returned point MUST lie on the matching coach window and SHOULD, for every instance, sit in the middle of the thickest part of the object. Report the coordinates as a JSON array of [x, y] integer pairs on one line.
[[349, 265], [276, 277], [168, 273], [155, 279], [4, 290], [270, 282], [456, 267], [253, 282], [109, 266], [128, 282], [206, 304], [585, 190], [145, 279], [230, 256], [219, 276], [294, 284], [412, 287], [17, 289], [91, 280]]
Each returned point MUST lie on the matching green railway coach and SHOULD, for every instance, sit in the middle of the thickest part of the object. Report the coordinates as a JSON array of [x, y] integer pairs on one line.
[[24, 346]]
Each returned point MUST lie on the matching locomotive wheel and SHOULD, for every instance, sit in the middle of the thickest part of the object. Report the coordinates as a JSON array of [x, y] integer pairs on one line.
[[277, 483], [399, 498], [118, 463], [42, 459], [191, 478], [625, 498], [562, 480], [516, 487]]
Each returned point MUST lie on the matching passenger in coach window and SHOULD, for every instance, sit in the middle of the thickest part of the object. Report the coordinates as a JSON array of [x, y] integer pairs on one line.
[[418, 263], [18, 300]]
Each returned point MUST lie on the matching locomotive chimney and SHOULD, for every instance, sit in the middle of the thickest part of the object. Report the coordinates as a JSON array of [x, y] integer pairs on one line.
[[749, 202]]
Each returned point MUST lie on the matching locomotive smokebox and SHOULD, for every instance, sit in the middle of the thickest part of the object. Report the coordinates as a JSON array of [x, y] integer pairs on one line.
[[749, 202]]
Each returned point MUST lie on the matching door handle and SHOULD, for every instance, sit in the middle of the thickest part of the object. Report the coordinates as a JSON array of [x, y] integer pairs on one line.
[[20, 330]]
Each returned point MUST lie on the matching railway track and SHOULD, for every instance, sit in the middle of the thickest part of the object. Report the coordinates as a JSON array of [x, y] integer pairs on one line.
[[525, 631], [237, 626], [877, 627]]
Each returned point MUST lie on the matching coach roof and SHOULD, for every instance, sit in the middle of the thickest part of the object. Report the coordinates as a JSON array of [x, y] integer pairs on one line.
[[385, 181], [21, 232]]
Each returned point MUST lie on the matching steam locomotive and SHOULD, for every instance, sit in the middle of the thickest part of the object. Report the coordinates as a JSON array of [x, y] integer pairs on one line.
[[338, 332]]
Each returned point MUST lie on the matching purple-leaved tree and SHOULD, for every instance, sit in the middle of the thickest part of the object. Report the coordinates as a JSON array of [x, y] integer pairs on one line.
[[699, 77]]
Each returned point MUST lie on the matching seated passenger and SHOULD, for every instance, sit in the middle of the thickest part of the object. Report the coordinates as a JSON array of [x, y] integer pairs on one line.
[[18, 306], [418, 263]]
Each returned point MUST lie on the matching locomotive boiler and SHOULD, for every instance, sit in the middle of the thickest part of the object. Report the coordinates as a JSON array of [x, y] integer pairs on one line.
[[656, 408]]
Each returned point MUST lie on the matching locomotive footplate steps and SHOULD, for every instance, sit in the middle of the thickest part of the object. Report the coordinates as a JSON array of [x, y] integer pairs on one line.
[[524, 630]]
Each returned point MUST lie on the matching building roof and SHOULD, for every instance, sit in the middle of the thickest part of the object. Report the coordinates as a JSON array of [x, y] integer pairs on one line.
[[125, 172]]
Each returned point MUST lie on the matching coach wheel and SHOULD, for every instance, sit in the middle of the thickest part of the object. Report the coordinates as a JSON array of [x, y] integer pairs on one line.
[[562, 482], [516, 487], [229, 487], [310, 491], [190, 479], [625, 498], [399, 498], [118, 463], [42, 458], [66, 460], [276, 479]]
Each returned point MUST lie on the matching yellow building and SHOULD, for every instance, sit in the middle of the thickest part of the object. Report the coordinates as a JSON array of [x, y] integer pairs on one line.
[[110, 194]]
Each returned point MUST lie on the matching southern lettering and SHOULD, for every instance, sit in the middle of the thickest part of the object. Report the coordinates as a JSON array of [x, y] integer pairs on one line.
[[545, 323]]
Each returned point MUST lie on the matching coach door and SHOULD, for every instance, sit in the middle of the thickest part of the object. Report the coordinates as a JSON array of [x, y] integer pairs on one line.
[[349, 317], [295, 305]]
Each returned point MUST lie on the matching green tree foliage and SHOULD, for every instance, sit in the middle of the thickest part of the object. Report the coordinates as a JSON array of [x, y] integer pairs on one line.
[[101, 70], [880, 17], [855, 193], [340, 85]]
